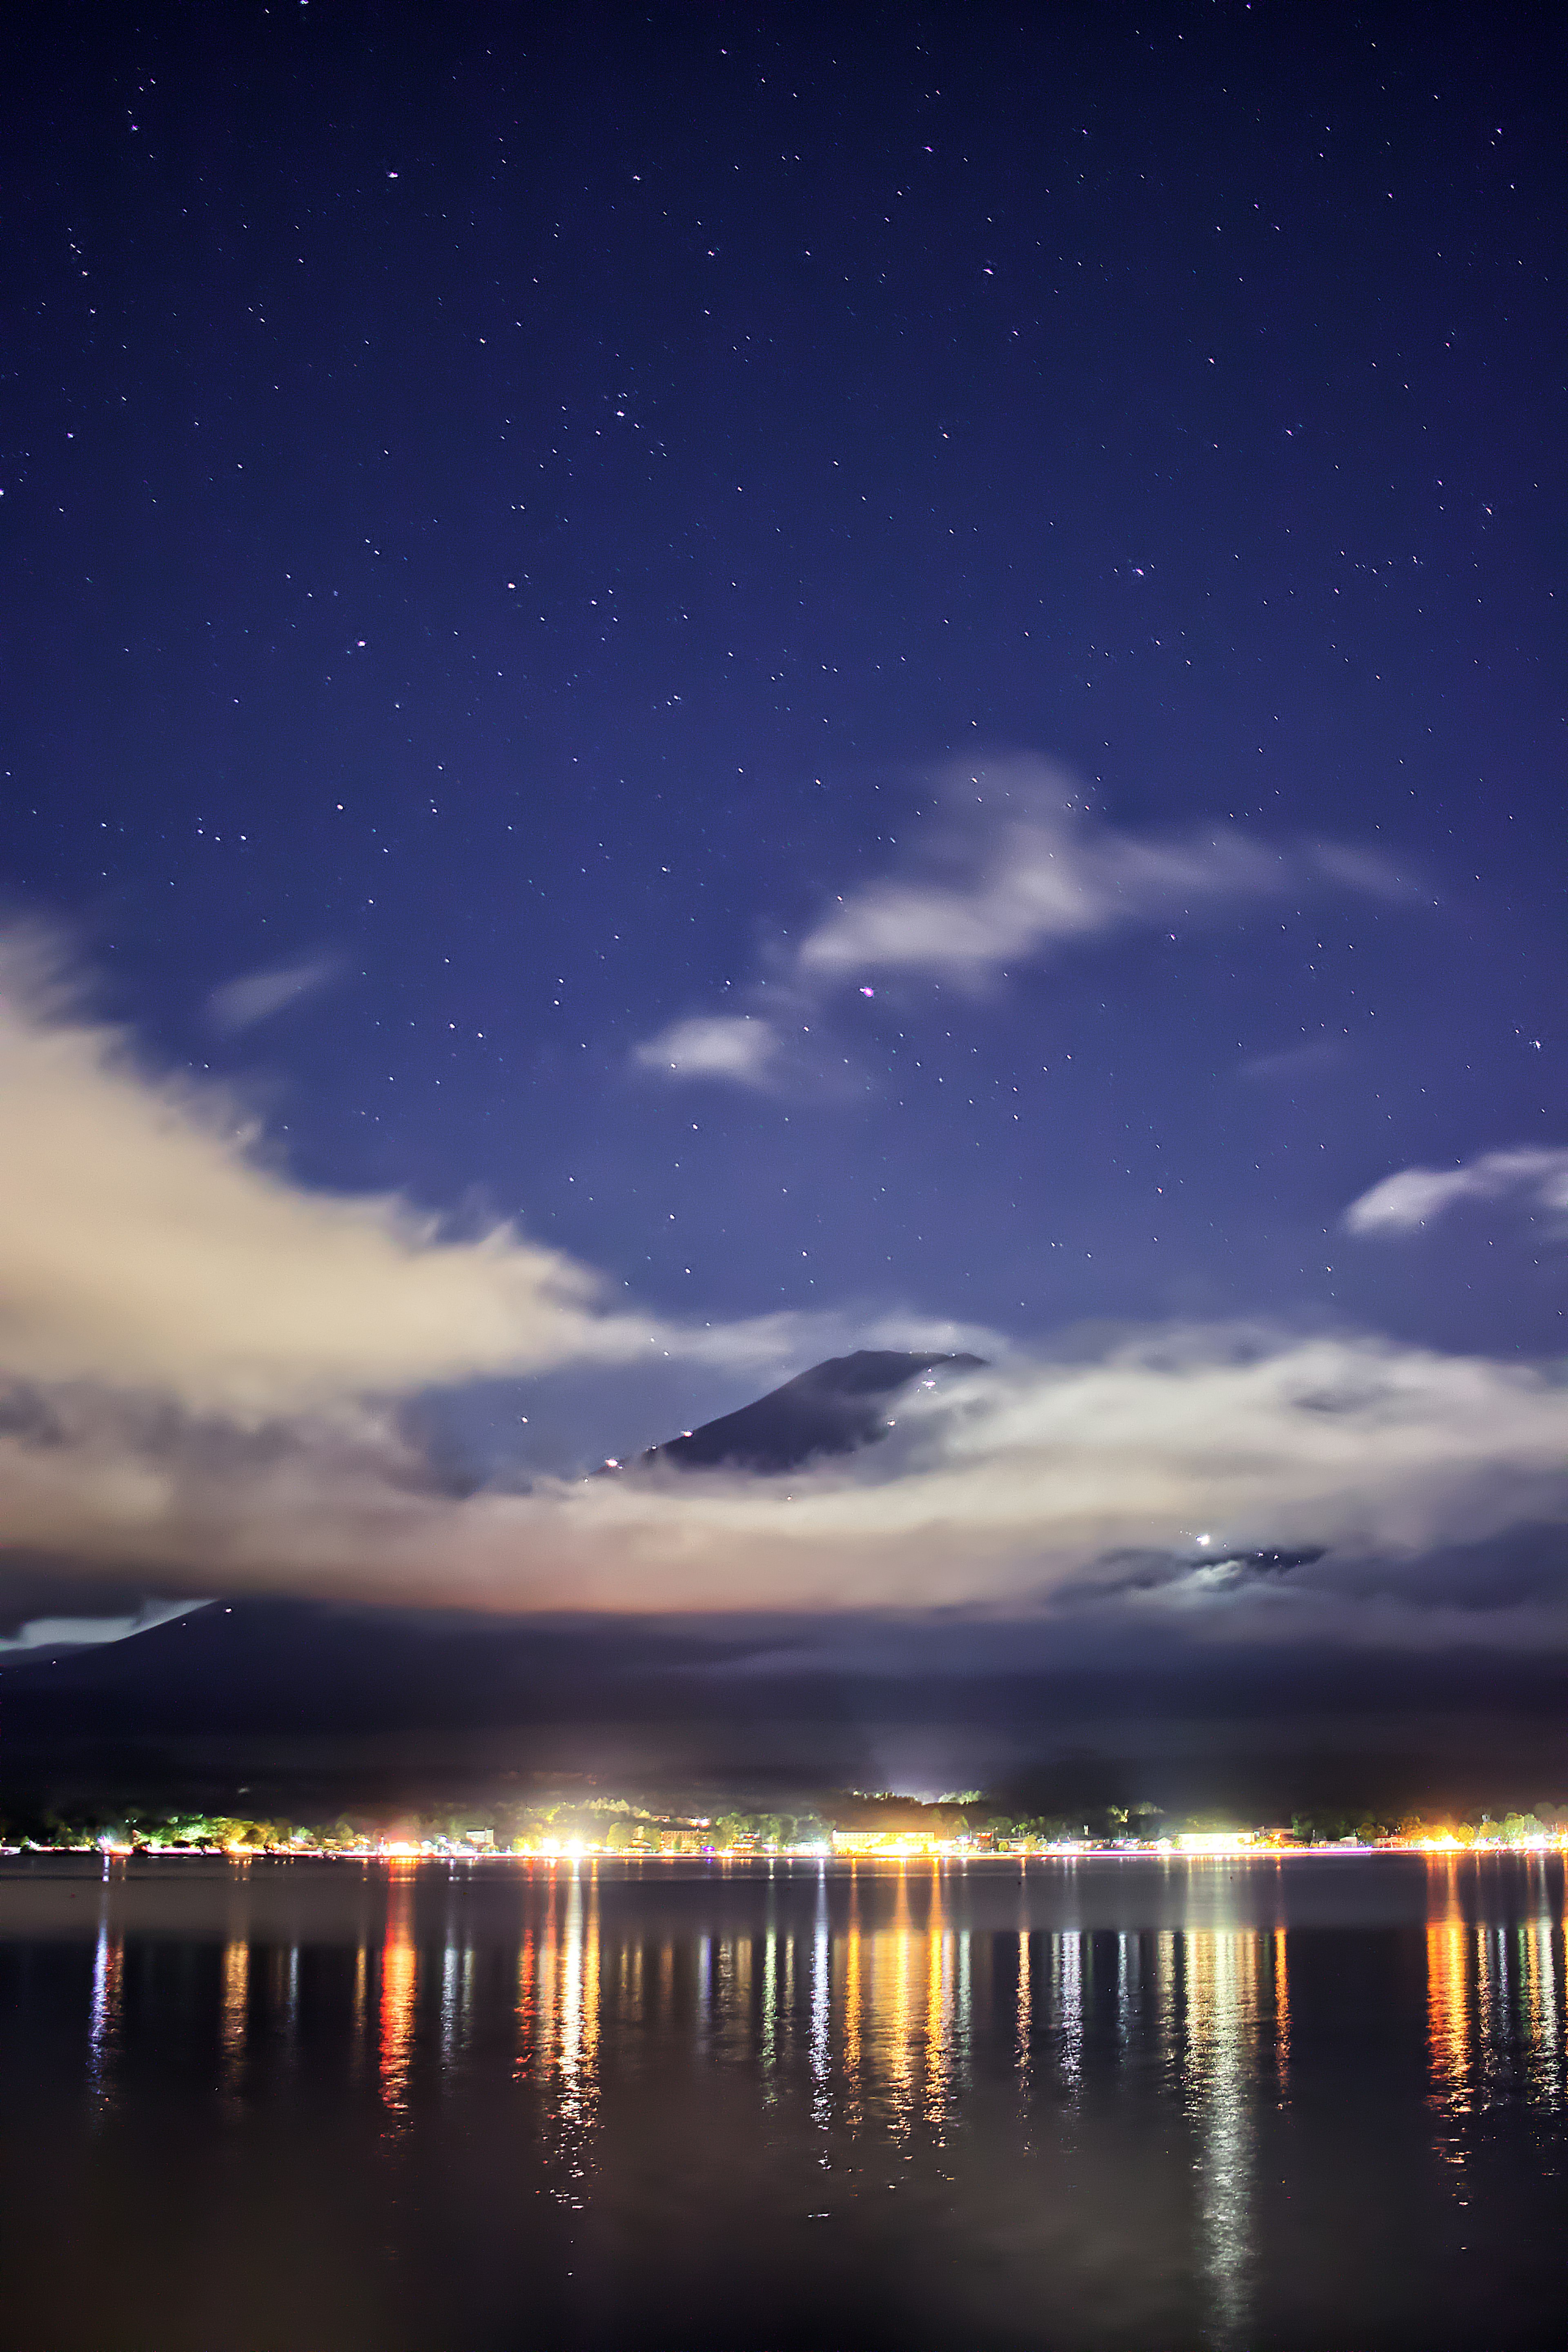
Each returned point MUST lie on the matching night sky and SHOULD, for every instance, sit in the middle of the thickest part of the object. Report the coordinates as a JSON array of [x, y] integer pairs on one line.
[[899, 670]]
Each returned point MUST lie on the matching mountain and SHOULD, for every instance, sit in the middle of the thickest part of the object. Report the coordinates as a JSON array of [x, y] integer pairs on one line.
[[220, 1697], [835, 1408]]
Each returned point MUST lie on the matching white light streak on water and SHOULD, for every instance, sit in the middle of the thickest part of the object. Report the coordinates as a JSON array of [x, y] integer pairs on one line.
[[821, 2058], [103, 2026], [1221, 2038]]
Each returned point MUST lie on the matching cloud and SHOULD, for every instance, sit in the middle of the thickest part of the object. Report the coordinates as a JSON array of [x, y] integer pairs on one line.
[[998, 1492], [1029, 879], [1418, 1196], [257, 996], [40, 1608], [726, 1046], [89, 1632], [1016, 873], [1368, 871], [1290, 1062], [198, 1354], [148, 1244]]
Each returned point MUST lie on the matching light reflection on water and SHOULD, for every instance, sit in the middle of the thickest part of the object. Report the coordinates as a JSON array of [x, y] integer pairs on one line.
[[234, 2010], [103, 2025], [881, 2014], [398, 1983], [1223, 2021], [828, 2034], [1451, 1976], [1495, 2019]]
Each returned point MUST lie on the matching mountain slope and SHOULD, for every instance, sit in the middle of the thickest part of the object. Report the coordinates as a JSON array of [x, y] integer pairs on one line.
[[835, 1408]]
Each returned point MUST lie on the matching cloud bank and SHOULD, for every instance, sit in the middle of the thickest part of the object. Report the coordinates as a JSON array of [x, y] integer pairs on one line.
[[1017, 874], [1001, 1491], [200, 1359], [1401, 1204]]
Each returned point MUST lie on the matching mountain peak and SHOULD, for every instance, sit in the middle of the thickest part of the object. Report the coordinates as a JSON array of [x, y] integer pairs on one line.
[[837, 1407]]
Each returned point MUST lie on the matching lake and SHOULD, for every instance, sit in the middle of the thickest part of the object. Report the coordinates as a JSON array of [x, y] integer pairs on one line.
[[304, 2106]]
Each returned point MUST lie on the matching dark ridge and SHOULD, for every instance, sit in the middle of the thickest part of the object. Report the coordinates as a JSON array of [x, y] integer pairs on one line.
[[835, 1408]]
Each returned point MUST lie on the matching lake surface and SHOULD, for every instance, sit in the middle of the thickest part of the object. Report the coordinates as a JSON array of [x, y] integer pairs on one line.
[[306, 2107]]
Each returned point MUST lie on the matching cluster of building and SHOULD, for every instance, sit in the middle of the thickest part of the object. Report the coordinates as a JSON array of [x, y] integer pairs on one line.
[[897, 1830], [480, 1845]]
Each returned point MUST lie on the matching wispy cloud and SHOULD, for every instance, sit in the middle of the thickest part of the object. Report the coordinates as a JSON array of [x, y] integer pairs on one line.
[[42, 1608], [1535, 1176], [87, 1632], [1013, 874], [256, 996], [1292, 1062], [1369, 872], [739, 1047], [1027, 881]]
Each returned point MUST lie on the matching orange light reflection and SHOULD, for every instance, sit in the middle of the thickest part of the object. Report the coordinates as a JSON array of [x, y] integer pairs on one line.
[[399, 1973]]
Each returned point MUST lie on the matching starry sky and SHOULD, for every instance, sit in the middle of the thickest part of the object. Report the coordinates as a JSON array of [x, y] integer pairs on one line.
[[897, 670]]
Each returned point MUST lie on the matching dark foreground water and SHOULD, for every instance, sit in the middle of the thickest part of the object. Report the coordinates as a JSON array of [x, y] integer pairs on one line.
[[305, 2106]]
